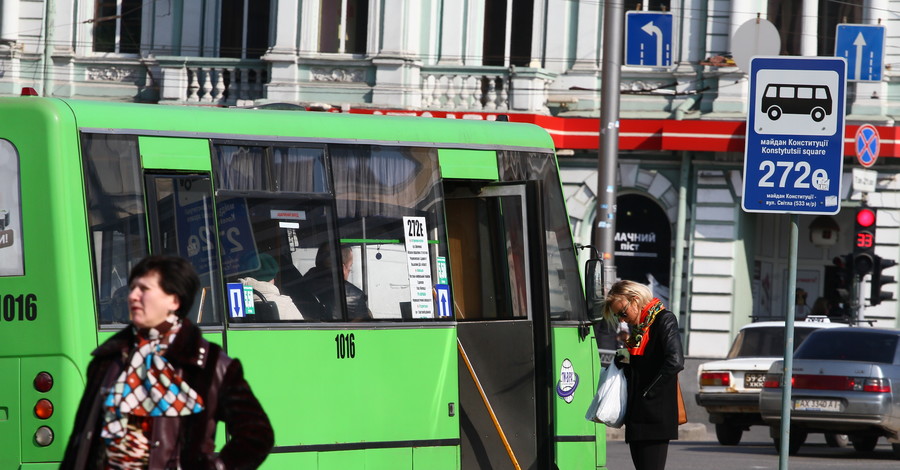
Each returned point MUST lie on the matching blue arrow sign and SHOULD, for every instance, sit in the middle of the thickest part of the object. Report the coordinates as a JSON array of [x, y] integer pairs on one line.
[[235, 299], [795, 135], [443, 300], [648, 39], [863, 47]]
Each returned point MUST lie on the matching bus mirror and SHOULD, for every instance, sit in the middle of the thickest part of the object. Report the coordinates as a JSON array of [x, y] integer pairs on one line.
[[593, 288]]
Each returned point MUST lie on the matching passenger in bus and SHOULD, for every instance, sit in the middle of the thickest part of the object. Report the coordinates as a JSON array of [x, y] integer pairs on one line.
[[262, 280], [319, 281], [156, 389], [651, 365]]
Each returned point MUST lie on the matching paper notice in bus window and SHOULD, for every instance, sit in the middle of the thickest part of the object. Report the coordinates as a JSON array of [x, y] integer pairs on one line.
[[419, 265], [12, 261]]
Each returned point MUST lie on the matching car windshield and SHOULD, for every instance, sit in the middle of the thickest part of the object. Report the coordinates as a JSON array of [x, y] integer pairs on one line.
[[765, 341], [861, 346]]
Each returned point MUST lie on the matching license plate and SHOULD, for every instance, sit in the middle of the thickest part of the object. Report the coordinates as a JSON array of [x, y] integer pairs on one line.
[[812, 404], [754, 380]]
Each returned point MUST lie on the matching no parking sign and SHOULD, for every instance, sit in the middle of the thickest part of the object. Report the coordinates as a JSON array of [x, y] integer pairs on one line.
[[868, 143]]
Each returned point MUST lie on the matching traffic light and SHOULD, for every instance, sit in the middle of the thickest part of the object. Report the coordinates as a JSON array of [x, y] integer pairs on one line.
[[864, 241], [843, 277], [879, 279]]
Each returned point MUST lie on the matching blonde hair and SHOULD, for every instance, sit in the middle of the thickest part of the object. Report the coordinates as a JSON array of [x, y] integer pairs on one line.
[[628, 291]]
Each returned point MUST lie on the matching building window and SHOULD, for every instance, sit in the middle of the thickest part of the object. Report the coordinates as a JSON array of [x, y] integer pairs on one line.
[[343, 26], [832, 14], [117, 26], [787, 16], [521, 25], [245, 31]]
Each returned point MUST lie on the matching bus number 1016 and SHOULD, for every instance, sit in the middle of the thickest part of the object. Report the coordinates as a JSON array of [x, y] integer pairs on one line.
[[346, 346], [22, 307]]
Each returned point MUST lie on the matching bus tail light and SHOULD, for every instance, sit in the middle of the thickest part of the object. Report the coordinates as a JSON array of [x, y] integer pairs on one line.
[[28, 91], [43, 408], [715, 379], [43, 436], [43, 382]]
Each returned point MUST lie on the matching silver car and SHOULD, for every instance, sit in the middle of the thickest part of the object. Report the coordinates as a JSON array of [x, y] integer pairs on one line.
[[845, 380]]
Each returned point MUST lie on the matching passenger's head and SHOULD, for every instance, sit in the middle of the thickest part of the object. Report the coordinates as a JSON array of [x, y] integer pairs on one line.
[[268, 268], [160, 285], [323, 258], [624, 302]]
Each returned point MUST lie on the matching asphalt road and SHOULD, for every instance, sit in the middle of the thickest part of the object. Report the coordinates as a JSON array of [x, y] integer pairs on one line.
[[757, 452]]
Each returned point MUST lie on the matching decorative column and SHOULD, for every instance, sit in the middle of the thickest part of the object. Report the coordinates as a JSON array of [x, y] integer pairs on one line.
[[869, 101], [284, 80], [397, 70]]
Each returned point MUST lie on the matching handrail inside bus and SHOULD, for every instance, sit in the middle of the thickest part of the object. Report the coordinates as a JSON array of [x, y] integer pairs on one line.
[[487, 404]]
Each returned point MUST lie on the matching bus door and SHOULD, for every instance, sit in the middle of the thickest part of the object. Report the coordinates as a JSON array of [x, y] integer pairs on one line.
[[500, 302]]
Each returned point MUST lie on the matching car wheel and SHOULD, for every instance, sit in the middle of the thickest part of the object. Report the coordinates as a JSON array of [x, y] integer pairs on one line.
[[865, 443], [728, 435], [896, 448], [797, 439], [837, 440]]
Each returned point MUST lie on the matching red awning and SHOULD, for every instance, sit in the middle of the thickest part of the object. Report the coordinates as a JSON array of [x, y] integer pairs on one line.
[[649, 134]]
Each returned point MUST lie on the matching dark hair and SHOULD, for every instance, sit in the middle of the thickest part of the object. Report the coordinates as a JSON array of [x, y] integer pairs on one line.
[[176, 277]]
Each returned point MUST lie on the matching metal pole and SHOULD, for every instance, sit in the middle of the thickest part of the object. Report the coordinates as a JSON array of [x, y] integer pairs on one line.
[[788, 364], [49, 12], [607, 164]]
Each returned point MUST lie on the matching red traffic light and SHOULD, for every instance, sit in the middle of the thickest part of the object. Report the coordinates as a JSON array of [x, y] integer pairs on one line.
[[865, 217]]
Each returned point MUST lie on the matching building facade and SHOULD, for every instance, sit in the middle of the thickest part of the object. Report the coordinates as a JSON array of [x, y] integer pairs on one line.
[[680, 226]]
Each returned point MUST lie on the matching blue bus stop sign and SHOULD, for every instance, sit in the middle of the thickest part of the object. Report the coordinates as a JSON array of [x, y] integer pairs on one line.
[[795, 135], [863, 47], [648, 39]]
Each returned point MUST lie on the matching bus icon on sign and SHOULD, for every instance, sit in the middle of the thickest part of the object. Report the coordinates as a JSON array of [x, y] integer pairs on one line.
[[783, 98], [805, 104]]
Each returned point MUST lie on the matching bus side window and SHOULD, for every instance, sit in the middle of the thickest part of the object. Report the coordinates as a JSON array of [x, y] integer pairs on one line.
[[115, 200], [805, 92], [375, 188]]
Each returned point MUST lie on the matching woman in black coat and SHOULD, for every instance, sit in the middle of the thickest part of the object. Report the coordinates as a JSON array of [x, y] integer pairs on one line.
[[651, 361], [118, 426]]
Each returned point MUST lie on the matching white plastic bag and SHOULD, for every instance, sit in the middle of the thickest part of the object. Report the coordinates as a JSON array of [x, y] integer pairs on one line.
[[608, 405]]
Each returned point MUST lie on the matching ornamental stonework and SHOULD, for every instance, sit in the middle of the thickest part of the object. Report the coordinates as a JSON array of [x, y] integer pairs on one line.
[[111, 74], [338, 75]]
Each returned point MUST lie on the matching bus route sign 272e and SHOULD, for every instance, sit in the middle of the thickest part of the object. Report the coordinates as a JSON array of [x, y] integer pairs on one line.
[[795, 131]]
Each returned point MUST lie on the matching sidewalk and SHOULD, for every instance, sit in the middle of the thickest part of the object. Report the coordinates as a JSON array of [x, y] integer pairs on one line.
[[686, 432]]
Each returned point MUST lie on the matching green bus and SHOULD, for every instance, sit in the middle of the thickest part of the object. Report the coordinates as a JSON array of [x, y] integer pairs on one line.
[[470, 349]]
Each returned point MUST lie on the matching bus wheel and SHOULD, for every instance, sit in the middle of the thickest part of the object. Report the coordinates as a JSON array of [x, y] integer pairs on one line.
[[774, 113], [817, 114]]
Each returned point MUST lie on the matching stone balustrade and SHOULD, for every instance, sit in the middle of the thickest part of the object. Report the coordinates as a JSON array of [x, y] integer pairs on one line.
[[466, 89], [212, 81]]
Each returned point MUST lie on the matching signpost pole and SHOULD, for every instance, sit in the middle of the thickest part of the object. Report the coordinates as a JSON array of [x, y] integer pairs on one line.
[[788, 364], [608, 164]]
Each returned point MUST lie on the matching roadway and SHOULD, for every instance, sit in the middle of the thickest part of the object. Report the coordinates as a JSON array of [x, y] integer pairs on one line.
[[757, 452]]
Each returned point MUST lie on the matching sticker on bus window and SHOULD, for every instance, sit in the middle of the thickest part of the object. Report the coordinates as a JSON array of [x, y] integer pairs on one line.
[[418, 263], [12, 257], [287, 214]]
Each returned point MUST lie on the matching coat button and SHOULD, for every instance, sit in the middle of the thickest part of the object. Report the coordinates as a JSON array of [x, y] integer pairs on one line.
[[202, 350], [199, 362], [155, 444]]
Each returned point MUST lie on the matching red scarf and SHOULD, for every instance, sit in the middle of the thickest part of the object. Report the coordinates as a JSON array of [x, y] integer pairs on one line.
[[640, 333]]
